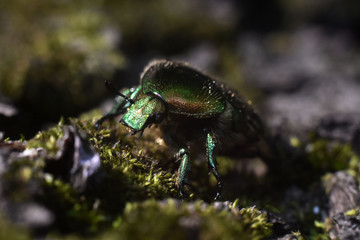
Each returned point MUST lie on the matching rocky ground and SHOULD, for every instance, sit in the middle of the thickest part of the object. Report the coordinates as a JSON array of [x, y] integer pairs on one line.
[[60, 178]]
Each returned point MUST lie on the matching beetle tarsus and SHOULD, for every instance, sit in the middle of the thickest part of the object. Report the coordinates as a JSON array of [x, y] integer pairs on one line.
[[219, 190], [98, 123], [141, 133], [181, 186]]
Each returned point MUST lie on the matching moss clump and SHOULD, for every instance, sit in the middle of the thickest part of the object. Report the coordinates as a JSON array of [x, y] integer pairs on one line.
[[331, 156], [126, 202], [48, 140], [130, 172], [133, 163], [127, 174], [74, 212], [172, 219]]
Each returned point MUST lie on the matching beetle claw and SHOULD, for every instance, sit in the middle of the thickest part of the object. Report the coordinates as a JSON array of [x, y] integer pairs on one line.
[[98, 123], [141, 133], [182, 191], [219, 190]]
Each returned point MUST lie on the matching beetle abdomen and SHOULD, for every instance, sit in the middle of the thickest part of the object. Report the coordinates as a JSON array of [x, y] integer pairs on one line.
[[185, 90]]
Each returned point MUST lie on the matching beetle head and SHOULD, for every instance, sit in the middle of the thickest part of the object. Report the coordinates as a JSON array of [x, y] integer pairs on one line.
[[148, 109]]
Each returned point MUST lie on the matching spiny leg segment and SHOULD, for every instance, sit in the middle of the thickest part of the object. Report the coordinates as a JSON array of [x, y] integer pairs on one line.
[[212, 163], [184, 168]]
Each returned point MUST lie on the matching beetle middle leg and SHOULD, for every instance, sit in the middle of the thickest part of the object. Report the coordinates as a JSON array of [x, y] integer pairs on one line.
[[184, 168], [212, 163]]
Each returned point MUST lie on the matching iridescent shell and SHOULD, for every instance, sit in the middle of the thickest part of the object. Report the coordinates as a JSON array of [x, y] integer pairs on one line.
[[185, 90]]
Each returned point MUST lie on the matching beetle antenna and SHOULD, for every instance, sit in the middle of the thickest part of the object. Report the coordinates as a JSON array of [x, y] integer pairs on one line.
[[110, 86]]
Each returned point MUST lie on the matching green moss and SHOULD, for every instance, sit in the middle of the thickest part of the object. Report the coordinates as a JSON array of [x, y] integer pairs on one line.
[[121, 199], [172, 219], [128, 173], [136, 175], [331, 156], [132, 162], [48, 140], [57, 54], [74, 212], [352, 212], [11, 231], [325, 156]]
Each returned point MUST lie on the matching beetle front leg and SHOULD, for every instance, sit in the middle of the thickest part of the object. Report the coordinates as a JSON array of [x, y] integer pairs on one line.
[[116, 110], [184, 168], [212, 164], [121, 104]]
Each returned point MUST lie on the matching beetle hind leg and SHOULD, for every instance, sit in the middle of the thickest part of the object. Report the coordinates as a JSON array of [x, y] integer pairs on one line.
[[184, 168], [212, 163]]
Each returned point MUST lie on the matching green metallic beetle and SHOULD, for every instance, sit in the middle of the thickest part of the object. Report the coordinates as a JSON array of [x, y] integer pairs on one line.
[[192, 110]]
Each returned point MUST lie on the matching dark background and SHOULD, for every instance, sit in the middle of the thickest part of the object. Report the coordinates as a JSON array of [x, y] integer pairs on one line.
[[297, 60]]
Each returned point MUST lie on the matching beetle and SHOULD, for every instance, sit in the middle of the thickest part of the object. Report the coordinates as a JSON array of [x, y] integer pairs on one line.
[[191, 109]]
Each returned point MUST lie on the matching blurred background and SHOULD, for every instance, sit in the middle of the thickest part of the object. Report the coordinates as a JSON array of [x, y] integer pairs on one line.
[[297, 60]]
